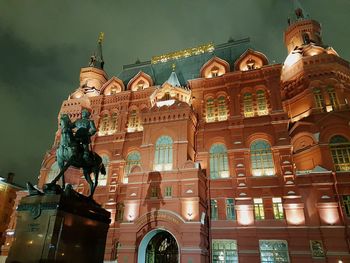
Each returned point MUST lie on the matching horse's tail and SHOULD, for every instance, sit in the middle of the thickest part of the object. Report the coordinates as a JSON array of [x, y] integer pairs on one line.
[[103, 169]]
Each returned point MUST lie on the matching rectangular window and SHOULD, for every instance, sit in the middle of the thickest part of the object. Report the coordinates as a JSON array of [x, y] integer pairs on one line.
[[346, 204], [277, 208], [154, 192], [272, 251], [319, 99], [332, 97], [259, 209], [168, 191], [230, 209], [222, 110], [120, 212], [248, 105], [214, 209], [317, 250], [210, 110], [224, 251]]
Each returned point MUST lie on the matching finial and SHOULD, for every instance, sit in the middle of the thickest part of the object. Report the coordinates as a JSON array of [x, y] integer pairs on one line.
[[101, 37], [173, 66]]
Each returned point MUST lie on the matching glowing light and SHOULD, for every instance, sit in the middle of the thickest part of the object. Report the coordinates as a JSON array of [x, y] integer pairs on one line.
[[224, 174], [328, 213], [190, 210], [329, 108], [165, 103], [263, 172], [163, 167], [291, 59], [294, 214], [131, 211], [10, 233], [184, 53], [245, 214]]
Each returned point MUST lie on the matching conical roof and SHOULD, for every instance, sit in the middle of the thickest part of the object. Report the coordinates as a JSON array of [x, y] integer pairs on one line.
[[173, 80]]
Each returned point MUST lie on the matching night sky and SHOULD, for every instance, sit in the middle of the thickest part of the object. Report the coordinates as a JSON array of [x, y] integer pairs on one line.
[[43, 45]]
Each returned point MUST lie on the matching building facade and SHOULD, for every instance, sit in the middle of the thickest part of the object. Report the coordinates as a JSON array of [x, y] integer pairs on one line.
[[215, 155], [8, 196]]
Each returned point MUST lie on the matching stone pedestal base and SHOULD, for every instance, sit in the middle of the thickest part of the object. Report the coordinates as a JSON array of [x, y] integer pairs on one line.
[[59, 228]]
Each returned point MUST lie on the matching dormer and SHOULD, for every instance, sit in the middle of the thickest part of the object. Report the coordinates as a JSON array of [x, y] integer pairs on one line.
[[170, 91], [113, 86], [140, 82], [215, 67], [250, 60]]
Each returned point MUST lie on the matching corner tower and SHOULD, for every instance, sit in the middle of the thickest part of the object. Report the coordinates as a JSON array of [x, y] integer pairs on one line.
[[92, 77], [302, 30]]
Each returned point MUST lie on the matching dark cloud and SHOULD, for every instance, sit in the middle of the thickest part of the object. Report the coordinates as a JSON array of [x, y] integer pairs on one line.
[[43, 45]]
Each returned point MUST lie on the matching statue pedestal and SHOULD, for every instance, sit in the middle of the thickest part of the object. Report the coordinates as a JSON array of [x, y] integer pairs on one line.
[[66, 227]]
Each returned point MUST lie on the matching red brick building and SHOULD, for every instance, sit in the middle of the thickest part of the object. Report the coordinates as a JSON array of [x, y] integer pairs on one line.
[[215, 155]]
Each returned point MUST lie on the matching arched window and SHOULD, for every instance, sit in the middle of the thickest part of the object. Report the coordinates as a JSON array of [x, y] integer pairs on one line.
[[248, 105], [102, 178], [332, 97], [163, 157], [306, 38], [261, 158], [218, 162], [140, 85], [119, 215], [54, 170], [104, 126], [340, 149], [319, 101], [261, 103], [222, 108], [214, 71], [134, 122], [133, 158], [113, 124], [210, 110]]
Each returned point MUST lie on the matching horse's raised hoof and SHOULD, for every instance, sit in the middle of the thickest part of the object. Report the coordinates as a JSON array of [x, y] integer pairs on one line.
[[52, 188]]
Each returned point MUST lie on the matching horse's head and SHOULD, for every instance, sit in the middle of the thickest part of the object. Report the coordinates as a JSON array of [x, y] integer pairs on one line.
[[65, 121]]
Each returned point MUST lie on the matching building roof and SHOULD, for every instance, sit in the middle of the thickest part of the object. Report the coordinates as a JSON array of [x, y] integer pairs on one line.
[[187, 68], [173, 80]]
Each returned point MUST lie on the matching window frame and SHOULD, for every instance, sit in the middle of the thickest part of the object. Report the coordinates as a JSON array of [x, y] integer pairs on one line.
[[230, 209], [234, 250], [218, 162], [214, 208], [259, 210], [273, 251], [261, 158]]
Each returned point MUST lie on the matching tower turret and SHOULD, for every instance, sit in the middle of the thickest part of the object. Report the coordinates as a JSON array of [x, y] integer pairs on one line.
[[302, 30], [93, 77]]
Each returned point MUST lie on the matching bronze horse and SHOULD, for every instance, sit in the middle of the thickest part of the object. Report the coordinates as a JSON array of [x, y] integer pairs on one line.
[[70, 153]]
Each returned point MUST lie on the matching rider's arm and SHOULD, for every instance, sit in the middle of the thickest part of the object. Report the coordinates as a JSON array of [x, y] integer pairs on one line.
[[92, 129]]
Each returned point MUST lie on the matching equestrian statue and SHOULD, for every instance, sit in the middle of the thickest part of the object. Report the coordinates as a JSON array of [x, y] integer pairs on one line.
[[74, 150]]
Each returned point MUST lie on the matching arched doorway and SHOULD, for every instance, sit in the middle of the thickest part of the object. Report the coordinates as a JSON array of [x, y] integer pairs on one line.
[[158, 246]]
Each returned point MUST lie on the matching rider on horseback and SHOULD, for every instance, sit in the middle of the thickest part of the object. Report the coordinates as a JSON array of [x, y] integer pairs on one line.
[[85, 129]]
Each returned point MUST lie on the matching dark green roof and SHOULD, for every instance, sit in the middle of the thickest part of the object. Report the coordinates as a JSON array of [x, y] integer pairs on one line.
[[186, 68]]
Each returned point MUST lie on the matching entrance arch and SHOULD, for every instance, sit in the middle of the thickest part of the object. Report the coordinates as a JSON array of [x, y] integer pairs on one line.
[[158, 246]]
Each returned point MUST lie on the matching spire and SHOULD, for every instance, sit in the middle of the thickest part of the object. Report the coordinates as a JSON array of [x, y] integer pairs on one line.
[[299, 13], [173, 79], [96, 59]]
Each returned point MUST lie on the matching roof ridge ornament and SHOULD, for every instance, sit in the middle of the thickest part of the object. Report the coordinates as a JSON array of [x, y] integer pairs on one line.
[[96, 59], [206, 48]]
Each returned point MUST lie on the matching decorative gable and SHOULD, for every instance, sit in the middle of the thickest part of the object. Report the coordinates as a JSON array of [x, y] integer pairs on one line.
[[113, 86], [140, 82], [250, 60], [215, 67]]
